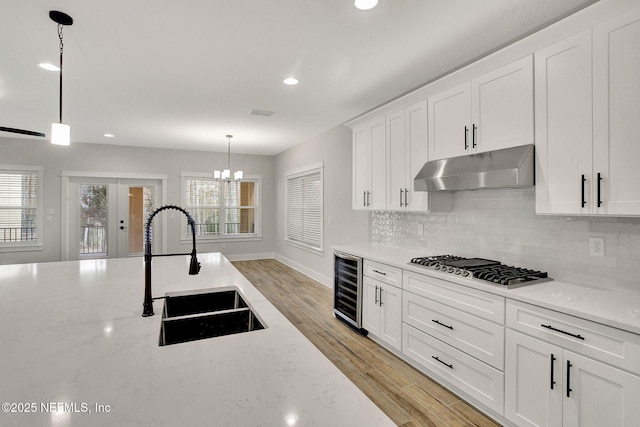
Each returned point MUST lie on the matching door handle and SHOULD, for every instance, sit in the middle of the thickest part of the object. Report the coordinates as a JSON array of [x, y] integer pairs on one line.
[[406, 198], [376, 298], [466, 135], [401, 205], [582, 181], [473, 136], [122, 227], [380, 296], [599, 182]]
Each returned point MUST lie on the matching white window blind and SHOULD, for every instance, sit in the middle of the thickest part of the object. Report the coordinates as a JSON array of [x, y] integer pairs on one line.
[[20, 207], [304, 208]]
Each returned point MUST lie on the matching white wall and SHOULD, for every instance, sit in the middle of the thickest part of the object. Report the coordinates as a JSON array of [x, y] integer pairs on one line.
[[342, 225], [105, 158]]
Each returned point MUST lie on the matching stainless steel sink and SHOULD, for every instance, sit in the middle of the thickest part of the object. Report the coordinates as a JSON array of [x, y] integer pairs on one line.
[[206, 314]]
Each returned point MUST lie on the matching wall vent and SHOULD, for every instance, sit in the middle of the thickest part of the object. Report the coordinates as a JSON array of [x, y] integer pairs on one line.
[[263, 113]]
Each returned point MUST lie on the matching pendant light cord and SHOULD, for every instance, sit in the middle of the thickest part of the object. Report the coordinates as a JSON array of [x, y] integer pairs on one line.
[[61, 50], [229, 153]]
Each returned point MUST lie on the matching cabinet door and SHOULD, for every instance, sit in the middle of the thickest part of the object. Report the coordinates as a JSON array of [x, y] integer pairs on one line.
[[396, 160], [378, 177], [370, 305], [416, 154], [391, 321], [502, 107], [563, 126], [616, 92], [600, 394], [361, 167], [533, 381], [449, 116]]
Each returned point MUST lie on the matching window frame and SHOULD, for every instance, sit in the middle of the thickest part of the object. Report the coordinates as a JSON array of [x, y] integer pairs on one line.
[[298, 173], [222, 237], [38, 243]]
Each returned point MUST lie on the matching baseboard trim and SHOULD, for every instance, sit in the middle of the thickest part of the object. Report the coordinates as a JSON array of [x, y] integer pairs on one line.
[[327, 281], [249, 257]]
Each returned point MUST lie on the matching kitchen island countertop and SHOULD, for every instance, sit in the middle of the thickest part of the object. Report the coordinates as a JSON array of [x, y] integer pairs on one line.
[[77, 352]]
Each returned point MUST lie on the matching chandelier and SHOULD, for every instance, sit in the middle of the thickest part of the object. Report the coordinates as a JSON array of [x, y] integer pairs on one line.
[[225, 175]]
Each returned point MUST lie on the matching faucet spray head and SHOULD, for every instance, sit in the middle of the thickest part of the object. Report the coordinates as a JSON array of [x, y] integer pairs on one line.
[[194, 266]]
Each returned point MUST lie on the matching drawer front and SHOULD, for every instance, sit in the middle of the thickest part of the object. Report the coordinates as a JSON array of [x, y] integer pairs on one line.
[[477, 337], [478, 303], [383, 272], [478, 380], [600, 342]]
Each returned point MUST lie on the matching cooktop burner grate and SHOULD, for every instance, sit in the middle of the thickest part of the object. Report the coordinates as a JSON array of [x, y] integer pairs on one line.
[[483, 269]]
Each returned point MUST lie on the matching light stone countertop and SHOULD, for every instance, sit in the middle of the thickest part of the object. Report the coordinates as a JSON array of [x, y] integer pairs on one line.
[[73, 338], [613, 308]]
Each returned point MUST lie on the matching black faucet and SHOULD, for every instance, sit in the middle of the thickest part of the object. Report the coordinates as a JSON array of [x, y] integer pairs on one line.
[[194, 266]]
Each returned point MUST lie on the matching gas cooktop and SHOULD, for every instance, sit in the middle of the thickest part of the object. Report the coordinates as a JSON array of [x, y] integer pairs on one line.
[[483, 269]]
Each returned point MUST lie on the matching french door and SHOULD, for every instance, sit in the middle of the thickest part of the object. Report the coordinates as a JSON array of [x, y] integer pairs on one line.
[[105, 217]]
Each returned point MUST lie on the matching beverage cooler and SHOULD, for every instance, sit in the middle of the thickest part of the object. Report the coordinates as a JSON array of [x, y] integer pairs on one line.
[[347, 290]]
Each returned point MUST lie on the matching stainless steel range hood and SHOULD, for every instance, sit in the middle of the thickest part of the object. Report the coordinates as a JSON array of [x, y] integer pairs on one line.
[[509, 167]]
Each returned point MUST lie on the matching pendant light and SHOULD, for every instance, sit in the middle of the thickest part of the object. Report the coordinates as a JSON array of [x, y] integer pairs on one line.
[[225, 175], [60, 132]]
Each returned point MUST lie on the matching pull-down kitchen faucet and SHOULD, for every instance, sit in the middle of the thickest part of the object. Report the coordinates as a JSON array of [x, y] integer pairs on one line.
[[194, 266]]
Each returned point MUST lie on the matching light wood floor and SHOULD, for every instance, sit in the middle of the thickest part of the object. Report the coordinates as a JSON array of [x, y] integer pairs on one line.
[[408, 397]]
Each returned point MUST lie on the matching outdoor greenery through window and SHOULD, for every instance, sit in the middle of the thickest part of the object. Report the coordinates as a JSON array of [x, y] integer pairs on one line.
[[93, 219], [20, 206], [304, 207], [221, 209]]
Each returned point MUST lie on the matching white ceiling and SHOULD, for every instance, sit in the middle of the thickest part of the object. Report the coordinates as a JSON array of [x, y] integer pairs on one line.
[[183, 74]]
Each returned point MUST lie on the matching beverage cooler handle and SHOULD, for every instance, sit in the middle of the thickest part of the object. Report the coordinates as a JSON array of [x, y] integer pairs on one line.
[[582, 181], [569, 390], [553, 381]]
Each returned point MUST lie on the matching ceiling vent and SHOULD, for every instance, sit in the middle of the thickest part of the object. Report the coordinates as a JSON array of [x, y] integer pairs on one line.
[[263, 113]]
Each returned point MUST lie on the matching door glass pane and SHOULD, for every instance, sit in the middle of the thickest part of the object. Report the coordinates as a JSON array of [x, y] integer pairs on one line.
[[93, 220], [140, 207]]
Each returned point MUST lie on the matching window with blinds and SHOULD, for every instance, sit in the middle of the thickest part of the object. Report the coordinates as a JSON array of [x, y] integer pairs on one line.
[[304, 208], [221, 209], [20, 206]]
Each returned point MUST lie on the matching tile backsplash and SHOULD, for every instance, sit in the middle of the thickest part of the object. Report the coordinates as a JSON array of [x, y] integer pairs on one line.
[[502, 225]]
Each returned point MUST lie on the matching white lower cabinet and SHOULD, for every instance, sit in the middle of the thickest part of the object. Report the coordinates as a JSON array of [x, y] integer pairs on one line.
[[479, 380], [551, 386], [382, 311], [479, 338]]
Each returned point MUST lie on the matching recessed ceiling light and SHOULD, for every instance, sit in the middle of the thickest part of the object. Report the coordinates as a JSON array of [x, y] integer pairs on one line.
[[109, 135], [365, 4], [291, 81], [49, 67]]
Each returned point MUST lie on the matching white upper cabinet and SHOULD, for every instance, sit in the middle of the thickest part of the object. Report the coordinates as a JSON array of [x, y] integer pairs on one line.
[[369, 174], [502, 107], [406, 154], [616, 108], [449, 122], [490, 112], [563, 126], [587, 108]]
